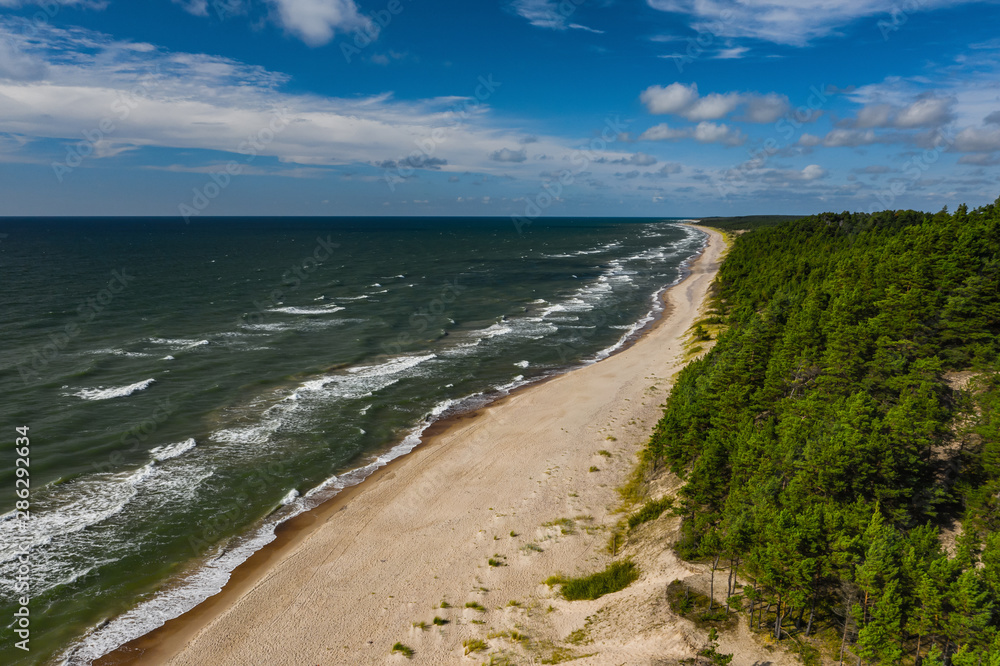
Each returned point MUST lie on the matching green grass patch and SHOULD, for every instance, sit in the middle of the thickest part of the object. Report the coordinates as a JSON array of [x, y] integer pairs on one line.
[[617, 576], [404, 650], [633, 491], [594, 469], [650, 511], [531, 548], [493, 562], [605, 453], [475, 645], [565, 525], [616, 540], [439, 621], [475, 605]]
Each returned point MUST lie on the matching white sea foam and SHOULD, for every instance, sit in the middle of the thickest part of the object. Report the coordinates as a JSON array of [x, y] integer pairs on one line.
[[356, 382], [172, 602], [522, 364], [107, 393], [313, 310], [168, 451], [115, 352], [178, 344]]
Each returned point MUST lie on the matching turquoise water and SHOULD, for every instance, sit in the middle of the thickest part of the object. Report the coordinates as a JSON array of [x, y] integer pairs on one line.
[[189, 387]]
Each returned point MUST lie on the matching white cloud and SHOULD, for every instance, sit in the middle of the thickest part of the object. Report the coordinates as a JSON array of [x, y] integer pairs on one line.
[[927, 112], [664, 132], [980, 159], [706, 132], [731, 54], [675, 98], [809, 140], [195, 101], [667, 170], [703, 132], [550, 14], [17, 65], [508, 155], [642, 159], [792, 22], [841, 138], [196, 7], [978, 140], [681, 100], [765, 108], [316, 21], [636, 159], [813, 172]]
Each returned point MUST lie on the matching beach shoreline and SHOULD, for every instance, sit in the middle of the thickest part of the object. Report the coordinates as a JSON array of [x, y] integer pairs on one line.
[[209, 633]]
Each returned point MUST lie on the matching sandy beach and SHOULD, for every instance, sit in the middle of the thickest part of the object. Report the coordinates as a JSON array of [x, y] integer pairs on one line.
[[528, 482]]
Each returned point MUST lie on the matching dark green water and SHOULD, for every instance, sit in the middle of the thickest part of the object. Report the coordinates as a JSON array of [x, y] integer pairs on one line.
[[189, 387]]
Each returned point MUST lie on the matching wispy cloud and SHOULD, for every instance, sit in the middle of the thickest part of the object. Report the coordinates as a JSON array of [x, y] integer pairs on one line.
[[196, 7], [550, 14], [785, 21], [199, 102]]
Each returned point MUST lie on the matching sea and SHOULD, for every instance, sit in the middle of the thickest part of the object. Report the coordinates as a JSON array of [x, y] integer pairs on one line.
[[188, 387]]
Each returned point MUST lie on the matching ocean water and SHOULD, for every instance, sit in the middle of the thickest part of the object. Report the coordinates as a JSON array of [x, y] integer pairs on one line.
[[189, 387]]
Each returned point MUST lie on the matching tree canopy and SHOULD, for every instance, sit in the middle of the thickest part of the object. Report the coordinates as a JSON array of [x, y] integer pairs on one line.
[[825, 441]]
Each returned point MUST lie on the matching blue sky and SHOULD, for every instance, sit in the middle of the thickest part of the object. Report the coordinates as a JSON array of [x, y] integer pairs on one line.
[[496, 107]]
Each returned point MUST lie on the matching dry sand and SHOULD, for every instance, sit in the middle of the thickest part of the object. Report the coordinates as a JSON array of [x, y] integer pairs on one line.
[[521, 482]]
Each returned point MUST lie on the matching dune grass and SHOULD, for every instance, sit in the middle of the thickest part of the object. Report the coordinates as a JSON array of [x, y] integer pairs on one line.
[[404, 650], [617, 576], [651, 510], [475, 645]]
